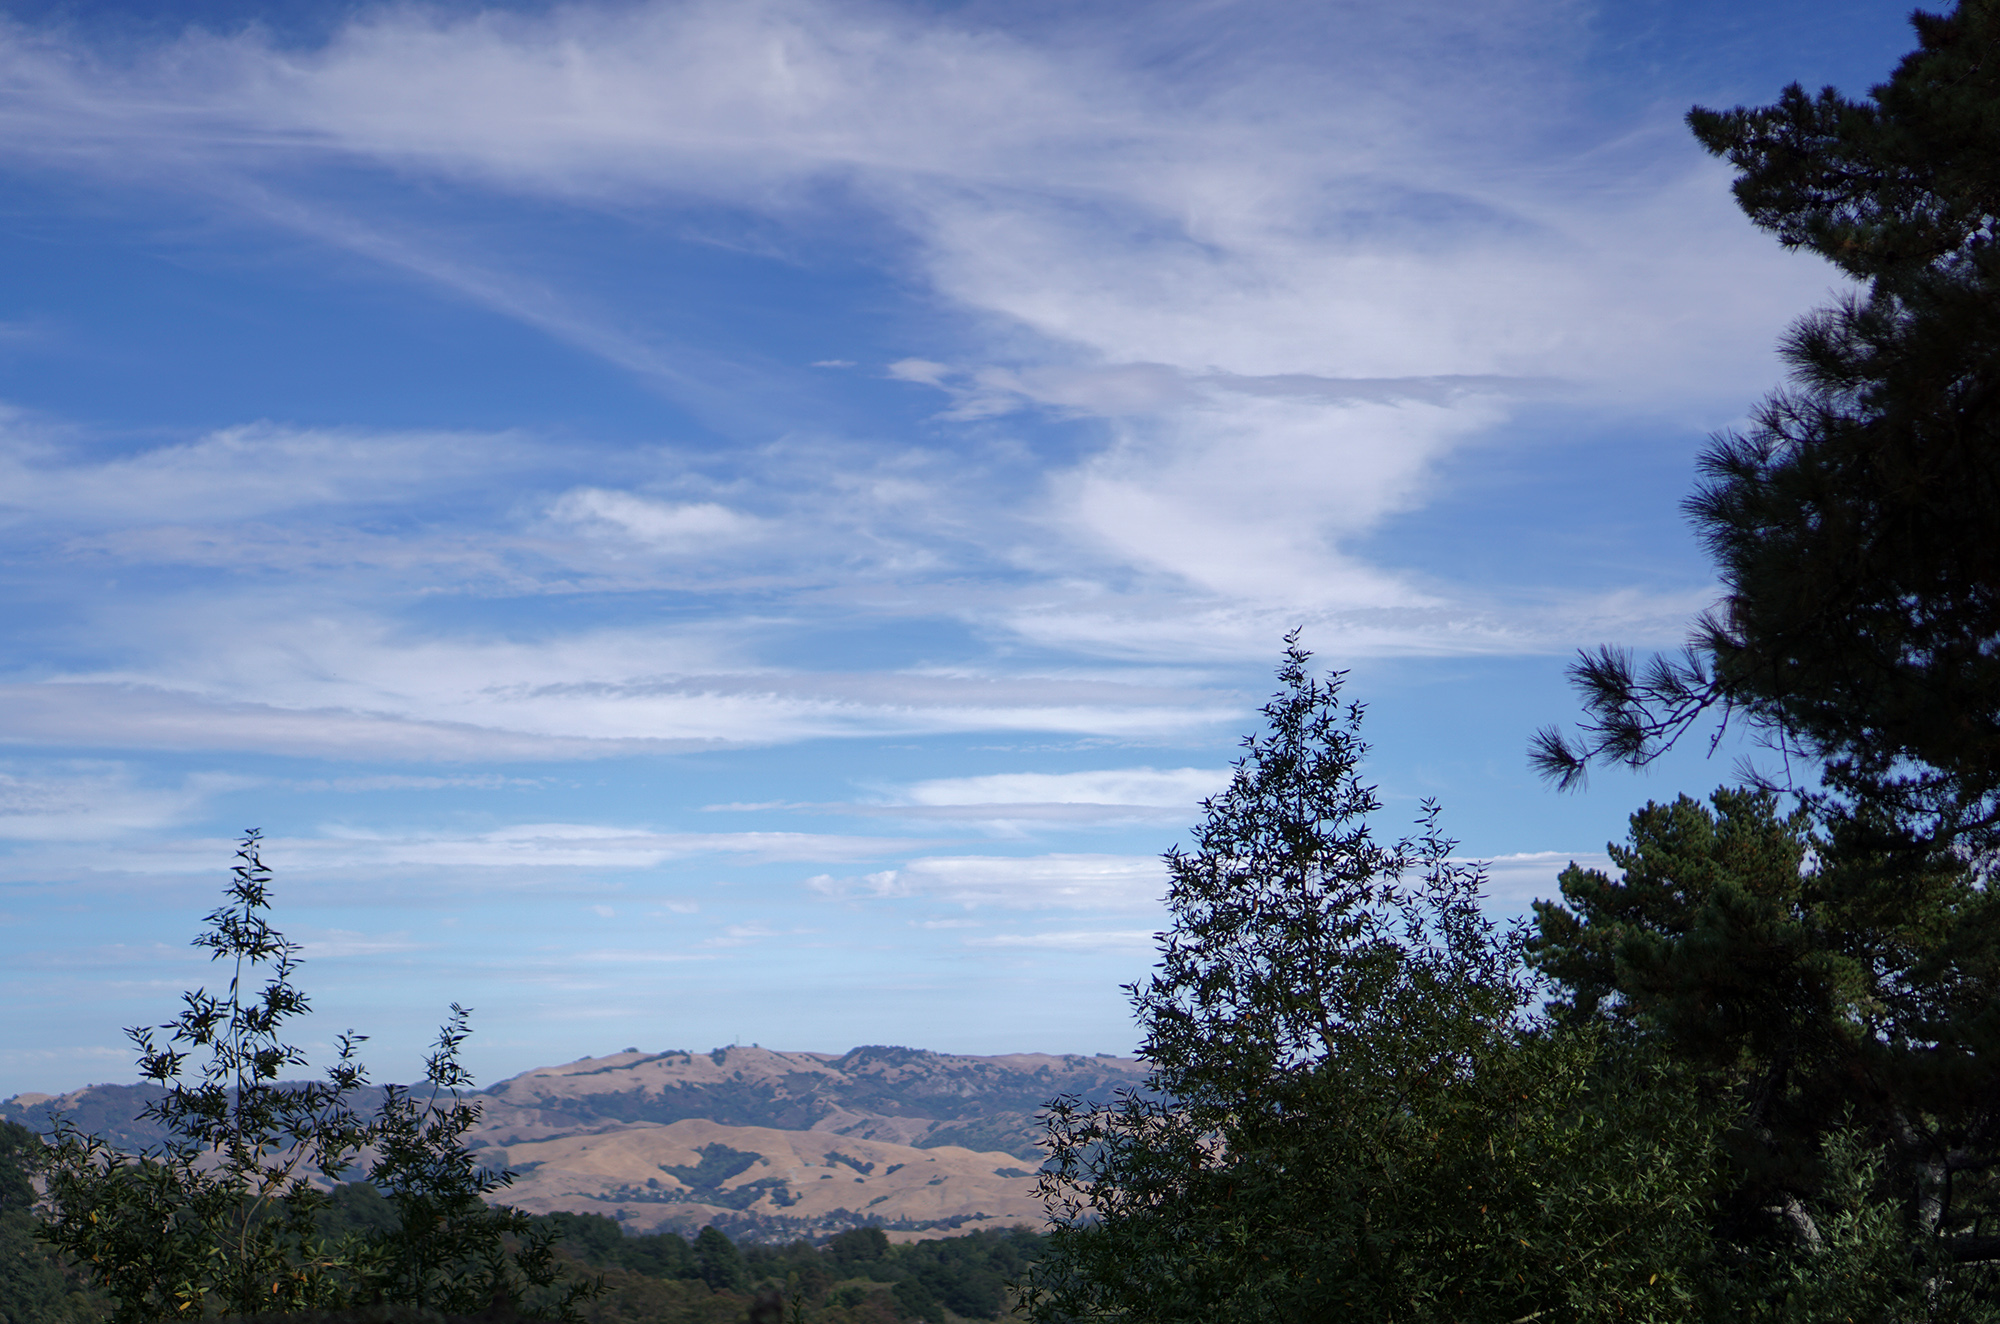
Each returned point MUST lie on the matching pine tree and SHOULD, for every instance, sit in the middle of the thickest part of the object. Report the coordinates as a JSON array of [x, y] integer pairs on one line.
[[721, 1264], [1856, 524], [1844, 1023], [1838, 970]]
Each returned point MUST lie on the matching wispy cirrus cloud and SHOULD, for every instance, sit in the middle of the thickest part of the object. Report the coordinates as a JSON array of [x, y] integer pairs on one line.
[[523, 855], [1015, 799], [672, 527], [1153, 788], [1112, 796], [237, 474], [351, 689], [74, 800], [1287, 281], [1031, 882], [333, 944], [1070, 940], [1514, 881], [659, 382]]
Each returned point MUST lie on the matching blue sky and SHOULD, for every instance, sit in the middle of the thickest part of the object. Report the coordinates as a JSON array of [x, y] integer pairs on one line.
[[698, 522]]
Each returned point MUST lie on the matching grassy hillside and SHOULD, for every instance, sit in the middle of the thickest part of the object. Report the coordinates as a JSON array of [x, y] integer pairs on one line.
[[859, 1276]]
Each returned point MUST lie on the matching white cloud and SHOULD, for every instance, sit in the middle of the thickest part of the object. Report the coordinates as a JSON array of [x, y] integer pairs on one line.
[[922, 371], [1128, 882], [1170, 788], [1153, 622], [85, 801], [565, 846], [698, 526], [349, 686], [1098, 940], [1034, 882], [1010, 801], [138, 717], [469, 514], [491, 781], [880, 884], [1114, 883], [1250, 502], [1513, 881], [1293, 278], [315, 944], [236, 474], [736, 935], [526, 855]]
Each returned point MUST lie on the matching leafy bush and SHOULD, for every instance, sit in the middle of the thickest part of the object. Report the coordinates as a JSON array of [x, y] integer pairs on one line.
[[226, 1214]]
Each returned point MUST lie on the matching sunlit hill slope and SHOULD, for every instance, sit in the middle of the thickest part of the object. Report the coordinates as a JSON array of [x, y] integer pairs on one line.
[[760, 1142]]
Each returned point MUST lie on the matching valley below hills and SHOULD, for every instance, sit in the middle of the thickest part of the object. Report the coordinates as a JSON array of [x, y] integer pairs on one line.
[[764, 1144]]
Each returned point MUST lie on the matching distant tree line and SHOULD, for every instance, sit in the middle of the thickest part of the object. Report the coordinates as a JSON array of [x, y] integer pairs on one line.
[[857, 1274], [36, 1287], [857, 1277]]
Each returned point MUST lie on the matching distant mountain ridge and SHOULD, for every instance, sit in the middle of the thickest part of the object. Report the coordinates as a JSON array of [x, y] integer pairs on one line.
[[763, 1143], [906, 1096]]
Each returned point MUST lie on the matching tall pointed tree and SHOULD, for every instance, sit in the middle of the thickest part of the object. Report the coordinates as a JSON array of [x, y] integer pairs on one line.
[[1352, 1115]]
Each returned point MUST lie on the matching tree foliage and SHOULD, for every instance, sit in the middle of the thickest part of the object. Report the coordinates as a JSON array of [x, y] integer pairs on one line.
[[225, 1216], [1356, 1116], [1856, 523], [1842, 1006], [34, 1287], [1834, 973], [857, 1277]]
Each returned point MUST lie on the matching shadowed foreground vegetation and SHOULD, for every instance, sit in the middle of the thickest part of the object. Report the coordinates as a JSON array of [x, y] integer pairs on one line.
[[856, 1278]]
